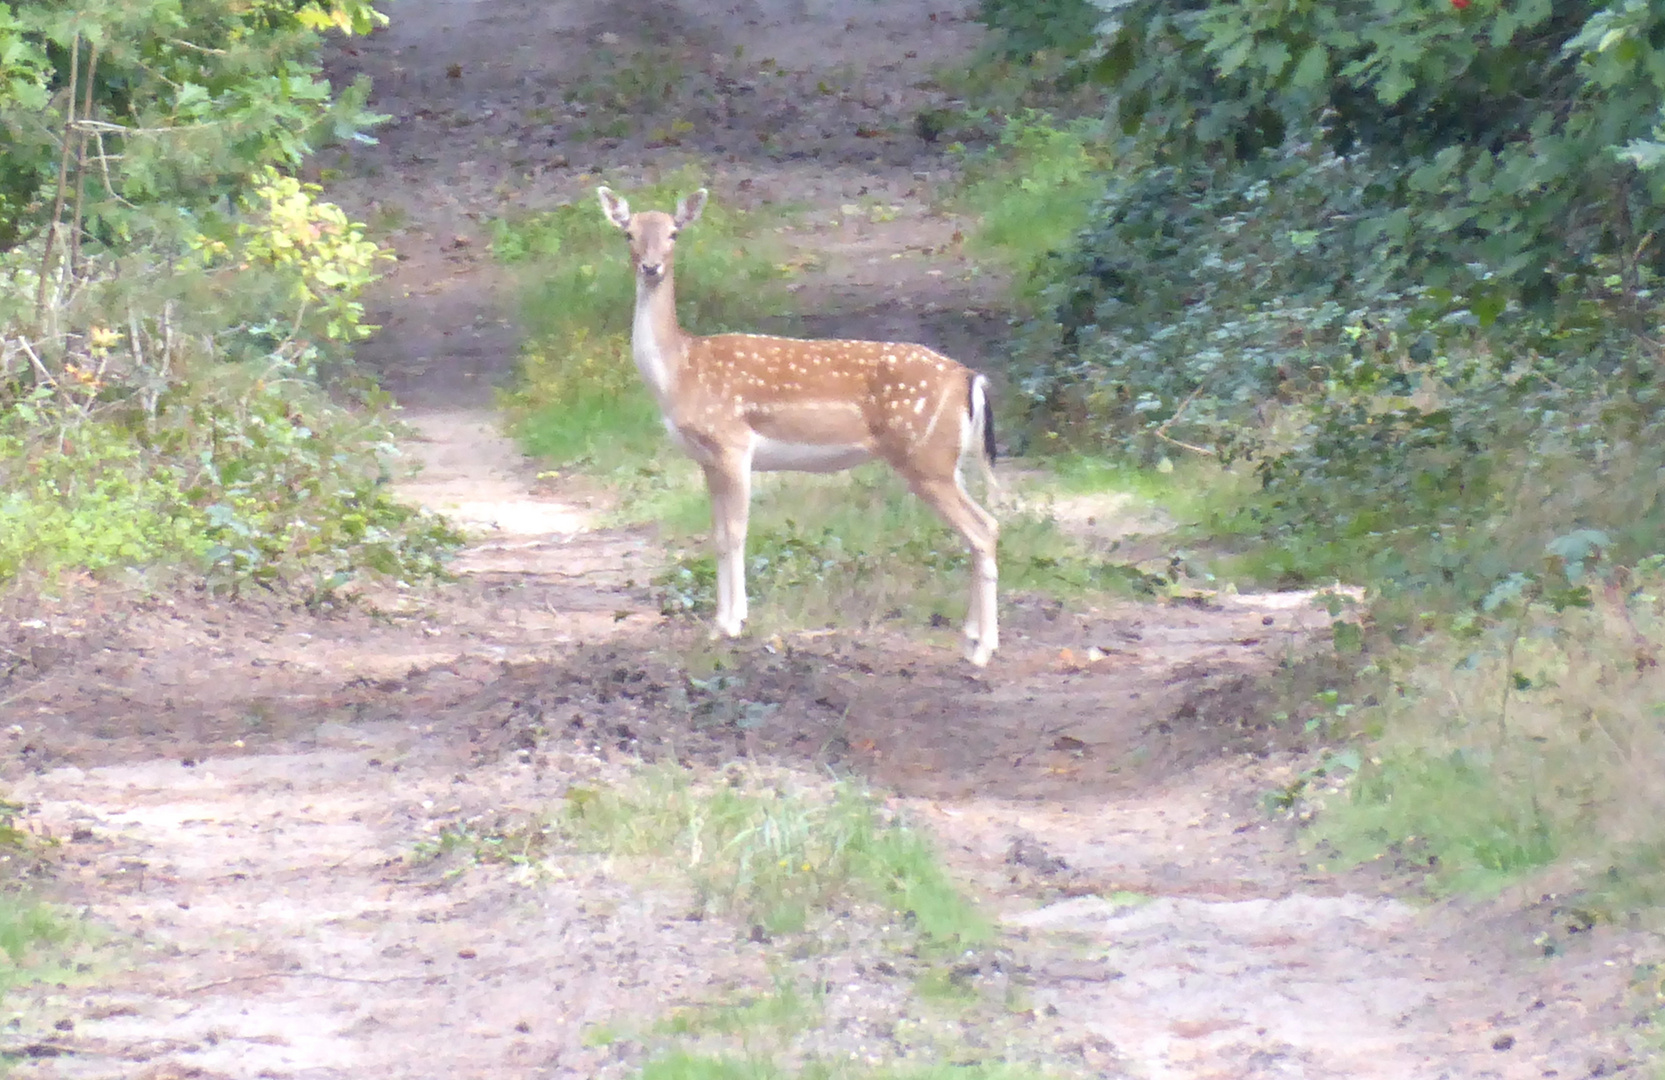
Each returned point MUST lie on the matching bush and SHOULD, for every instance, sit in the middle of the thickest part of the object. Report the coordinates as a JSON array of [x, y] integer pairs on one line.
[[173, 106], [180, 421], [167, 296], [1024, 28], [1383, 316], [1528, 735]]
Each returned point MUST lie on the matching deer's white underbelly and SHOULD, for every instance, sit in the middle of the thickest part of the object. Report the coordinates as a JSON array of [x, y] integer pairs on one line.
[[777, 455]]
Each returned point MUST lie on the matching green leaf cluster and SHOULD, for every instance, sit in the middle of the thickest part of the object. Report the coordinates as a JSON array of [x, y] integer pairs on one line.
[[165, 105], [1400, 256]]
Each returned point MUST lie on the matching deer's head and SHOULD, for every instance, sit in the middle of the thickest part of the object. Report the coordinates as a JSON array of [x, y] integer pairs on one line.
[[652, 233]]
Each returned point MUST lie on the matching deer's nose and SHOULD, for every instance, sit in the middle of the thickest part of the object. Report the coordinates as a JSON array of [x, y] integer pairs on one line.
[[652, 269]]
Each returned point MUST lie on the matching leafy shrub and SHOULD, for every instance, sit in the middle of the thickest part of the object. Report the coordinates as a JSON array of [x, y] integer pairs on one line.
[[192, 99], [1250, 304], [167, 296], [261, 483], [88, 503], [1027, 27], [1507, 137], [196, 434]]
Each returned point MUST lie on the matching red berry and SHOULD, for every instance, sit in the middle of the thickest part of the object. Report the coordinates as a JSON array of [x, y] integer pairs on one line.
[[1460, 5]]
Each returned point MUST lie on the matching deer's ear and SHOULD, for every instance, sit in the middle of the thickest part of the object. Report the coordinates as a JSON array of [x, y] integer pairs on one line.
[[614, 206], [689, 207]]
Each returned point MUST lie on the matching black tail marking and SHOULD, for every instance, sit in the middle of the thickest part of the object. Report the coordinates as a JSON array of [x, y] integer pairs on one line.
[[988, 415]]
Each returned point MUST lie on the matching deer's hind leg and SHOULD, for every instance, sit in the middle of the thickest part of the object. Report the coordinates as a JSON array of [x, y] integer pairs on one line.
[[981, 534]]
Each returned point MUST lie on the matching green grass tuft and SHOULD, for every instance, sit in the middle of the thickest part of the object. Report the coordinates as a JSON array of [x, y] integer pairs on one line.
[[1523, 740], [1033, 192], [775, 857]]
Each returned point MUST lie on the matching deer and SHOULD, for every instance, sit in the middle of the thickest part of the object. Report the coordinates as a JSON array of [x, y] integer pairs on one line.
[[743, 403]]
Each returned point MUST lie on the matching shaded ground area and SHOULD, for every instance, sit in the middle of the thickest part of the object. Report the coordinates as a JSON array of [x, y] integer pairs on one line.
[[252, 794]]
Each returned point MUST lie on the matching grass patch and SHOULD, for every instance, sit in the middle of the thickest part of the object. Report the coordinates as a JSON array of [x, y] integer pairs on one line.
[[786, 1010], [29, 933], [775, 857], [1032, 193], [580, 402], [1529, 740], [858, 548], [681, 1065]]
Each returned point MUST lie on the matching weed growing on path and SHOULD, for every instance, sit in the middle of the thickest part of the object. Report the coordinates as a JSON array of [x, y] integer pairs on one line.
[[680, 1065], [774, 855]]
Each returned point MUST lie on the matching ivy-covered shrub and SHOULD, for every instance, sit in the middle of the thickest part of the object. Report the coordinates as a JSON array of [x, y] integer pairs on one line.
[[1401, 257]]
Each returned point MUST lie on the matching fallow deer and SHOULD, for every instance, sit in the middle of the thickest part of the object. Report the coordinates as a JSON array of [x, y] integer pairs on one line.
[[739, 403]]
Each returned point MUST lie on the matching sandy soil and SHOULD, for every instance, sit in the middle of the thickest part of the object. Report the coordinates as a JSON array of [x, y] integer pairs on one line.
[[242, 788]]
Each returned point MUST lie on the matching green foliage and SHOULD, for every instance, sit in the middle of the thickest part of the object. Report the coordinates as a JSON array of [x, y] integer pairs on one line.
[[168, 296], [774, 857], [286, 483], [581, 404], [1525, 735], [1024, 28], [88, 502], [1032, 192], [248, 481], [1447, 813], [175, 103], [1504, 136], [1390, 314], [322, 259]]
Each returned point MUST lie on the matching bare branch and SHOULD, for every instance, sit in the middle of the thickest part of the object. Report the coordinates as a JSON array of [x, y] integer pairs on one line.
[[81, 168], [63, 178], [1162, 429]]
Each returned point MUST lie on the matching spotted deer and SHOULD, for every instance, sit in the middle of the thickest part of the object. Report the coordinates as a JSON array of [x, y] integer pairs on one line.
[[744, 403]]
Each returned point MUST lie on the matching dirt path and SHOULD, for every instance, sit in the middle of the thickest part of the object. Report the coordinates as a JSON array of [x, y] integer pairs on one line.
[[246, 789]]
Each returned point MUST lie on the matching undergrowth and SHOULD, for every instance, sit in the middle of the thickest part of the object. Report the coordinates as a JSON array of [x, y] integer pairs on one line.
[[1528, 737], [163, 408], [1030, 194]]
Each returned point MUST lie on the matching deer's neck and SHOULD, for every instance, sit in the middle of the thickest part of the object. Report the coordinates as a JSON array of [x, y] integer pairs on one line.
[[657, 342]]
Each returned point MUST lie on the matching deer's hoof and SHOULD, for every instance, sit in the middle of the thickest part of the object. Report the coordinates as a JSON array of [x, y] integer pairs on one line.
[[977, 653]]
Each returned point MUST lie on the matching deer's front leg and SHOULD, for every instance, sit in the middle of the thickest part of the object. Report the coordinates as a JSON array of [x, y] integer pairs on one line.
[[730, 484]]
